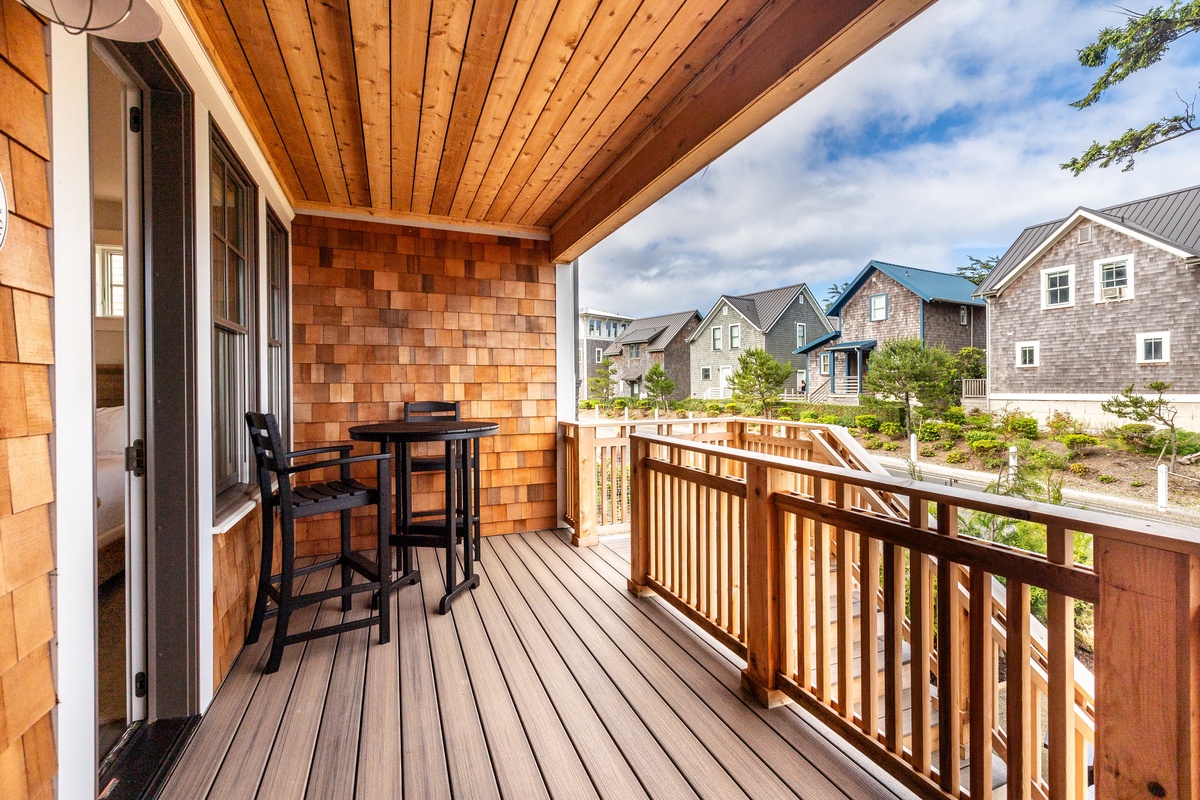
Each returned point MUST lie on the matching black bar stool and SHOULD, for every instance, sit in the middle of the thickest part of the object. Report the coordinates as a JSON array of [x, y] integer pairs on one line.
[[296, 502], [436, 409]]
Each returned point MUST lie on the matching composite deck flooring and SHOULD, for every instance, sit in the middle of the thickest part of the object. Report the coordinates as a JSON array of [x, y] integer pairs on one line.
[[548, 681]]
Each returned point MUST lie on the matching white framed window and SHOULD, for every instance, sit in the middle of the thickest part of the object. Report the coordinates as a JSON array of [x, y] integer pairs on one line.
[[962, 315], [592, 326], [801, 332], [634, 350], [716, 337], [735, 336], [279, 380], [1114, 279], [1058, 287], [826, 363], [624, 325], [599, 354], [1154, 348], [879, 307], [1028, 354], [706, 373], [110, 281]]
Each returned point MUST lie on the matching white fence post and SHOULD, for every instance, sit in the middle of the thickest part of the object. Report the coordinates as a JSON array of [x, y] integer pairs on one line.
[[1162, 487], [912, 446], [1012, 463]]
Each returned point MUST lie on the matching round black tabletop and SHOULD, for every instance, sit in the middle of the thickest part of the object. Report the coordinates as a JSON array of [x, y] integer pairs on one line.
[[431, 430]]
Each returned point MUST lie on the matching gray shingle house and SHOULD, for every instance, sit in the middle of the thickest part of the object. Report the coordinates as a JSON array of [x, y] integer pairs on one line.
[[661, 339], [890, 301], [597, 330], [777, 320], [1084, 306]]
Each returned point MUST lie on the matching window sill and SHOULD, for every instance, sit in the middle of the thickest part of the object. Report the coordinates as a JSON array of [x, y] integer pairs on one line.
[[232, 505]]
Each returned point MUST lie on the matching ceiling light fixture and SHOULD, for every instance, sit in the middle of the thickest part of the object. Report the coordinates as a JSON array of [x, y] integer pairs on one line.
[[122, 20]]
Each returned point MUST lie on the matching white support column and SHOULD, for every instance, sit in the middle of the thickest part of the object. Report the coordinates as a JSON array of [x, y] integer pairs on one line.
[[566, 326], [74, 579]]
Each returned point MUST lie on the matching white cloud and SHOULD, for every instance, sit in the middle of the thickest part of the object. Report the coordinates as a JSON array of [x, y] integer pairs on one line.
[[943, 140]]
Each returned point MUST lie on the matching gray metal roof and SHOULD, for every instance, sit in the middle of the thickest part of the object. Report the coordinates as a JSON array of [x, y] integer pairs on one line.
[[1172, 218], [661, 330], [761, 309]]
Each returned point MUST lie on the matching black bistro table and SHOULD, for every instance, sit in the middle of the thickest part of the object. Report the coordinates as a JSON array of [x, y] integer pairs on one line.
[[458, 517]]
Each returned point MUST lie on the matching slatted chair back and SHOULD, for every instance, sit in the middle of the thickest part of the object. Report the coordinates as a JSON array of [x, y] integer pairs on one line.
[[432, 409], [270, 456]]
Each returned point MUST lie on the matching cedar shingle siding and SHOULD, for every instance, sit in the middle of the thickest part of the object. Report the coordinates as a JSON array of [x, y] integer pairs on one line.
[[1090, 347]]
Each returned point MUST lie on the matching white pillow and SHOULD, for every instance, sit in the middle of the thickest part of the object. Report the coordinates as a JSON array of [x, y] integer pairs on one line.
[[110, 431]]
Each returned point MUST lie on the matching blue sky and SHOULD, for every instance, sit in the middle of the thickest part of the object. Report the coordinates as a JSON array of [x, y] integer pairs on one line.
[[943, 141]]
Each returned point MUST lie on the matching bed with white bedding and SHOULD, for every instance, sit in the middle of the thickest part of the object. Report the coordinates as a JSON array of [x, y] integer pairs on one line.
[[110, 491]]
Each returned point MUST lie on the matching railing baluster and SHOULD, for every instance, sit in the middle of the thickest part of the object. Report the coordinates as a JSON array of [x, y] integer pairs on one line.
[[981, 682], [868, 636], [949, 700], [1018, 729], [1060, 640], [804, 600], [845, 596], [893, 647], [762, 579], [821, 570]]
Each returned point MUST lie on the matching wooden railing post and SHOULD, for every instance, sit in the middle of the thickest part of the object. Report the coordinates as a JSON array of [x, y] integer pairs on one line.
[[763, 569], [639, 518], [585, 524], [1147, 672]]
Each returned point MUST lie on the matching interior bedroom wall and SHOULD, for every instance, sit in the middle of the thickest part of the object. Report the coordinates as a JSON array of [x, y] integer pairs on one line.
[[27, 688]]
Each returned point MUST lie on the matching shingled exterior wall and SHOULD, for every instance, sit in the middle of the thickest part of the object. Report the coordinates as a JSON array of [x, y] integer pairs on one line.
[[385, 314], [27, 690], [903, 312], [1088, 351], [943, 326]]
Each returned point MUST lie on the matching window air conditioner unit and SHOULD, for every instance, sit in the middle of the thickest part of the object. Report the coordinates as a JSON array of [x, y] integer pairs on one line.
[[1113, 293]]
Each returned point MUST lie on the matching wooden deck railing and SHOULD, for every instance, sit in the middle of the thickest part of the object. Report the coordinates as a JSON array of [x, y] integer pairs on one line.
[[770, 555], [974, 387]]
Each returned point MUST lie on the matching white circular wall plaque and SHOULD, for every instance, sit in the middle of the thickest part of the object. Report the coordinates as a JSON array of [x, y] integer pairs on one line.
[[3, 212]]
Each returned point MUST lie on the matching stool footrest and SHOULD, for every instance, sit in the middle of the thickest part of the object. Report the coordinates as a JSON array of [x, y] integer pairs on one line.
[[304, 636]]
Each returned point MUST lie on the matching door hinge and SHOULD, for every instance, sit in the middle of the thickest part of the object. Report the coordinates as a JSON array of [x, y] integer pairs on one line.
[[135, 458], [135, 120], [139, 685]]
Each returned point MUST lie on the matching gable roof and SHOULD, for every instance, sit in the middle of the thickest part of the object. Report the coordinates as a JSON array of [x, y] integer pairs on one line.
[[1170, 220], [761, 309], [930, 286], [817, 343], [654, 332]]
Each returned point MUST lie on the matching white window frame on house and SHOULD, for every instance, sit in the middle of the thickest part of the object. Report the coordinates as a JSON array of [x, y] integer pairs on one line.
[[1037, 354], [1054, 272], [826, 363], [110, 281], [716, 337], [735, 336], [706, 373], [801, 333], [599, 354], [593, 325], [871, 309], [1084, 234], [962, 315], [279, 304], [235, 372], [1126, 290], [1163, 338]]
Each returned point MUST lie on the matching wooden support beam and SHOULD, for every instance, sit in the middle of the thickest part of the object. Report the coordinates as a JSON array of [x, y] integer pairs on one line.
[[639, 516], [757, 76], [763, 611], [585, 527]]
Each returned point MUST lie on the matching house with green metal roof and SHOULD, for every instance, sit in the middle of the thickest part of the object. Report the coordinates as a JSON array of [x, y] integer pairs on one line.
[[890, 301]]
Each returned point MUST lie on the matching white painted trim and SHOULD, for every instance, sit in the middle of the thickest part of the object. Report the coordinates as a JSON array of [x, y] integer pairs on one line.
[[717, 333], [723, 299], [1014, 396], [1067, 224], [212, 97], [1141, 347], [534, 233], [737, 346], [1072, 286], [1037, 354], [871, 307], [1127, 293], [566, 393], [234, 516], [73, 582]]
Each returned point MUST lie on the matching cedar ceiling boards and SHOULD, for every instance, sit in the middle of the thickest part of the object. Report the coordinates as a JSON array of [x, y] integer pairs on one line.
[[520, 117]]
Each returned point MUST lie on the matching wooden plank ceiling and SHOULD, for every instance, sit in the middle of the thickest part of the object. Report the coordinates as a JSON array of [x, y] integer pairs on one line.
[[527, 117]]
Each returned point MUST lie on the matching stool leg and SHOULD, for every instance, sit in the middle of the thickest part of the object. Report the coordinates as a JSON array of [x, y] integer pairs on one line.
[[347, 573], [264, 573], [383, 522], [286, 579]]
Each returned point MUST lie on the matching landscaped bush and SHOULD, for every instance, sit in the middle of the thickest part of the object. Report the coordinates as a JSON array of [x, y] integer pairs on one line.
[[978, 418], [587, 404], [872, 442], [984, 446], [926, 451], [892, 429], [957, 457], [1042, 458], [1135, 483], [978, 436], [733, 408], [1080, 469], [784, 414], [1024, 426], [928, 432], [828, 419], [949, 431], [1106, 479], [868, 422], [809, 416], [955, 414], [947, 444], [1061, 423], [645, 405], [891, 447], [712, 408], [1078, 443], [1136, 434], [620, 403]]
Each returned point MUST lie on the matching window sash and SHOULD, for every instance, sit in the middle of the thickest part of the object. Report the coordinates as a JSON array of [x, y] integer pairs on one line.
[[706, 373], [1152, 349], [801, 333], [826, 359], [1114, 275], [599, 354], [878, 307], [735, 336], [716, 338], [1058, 288], [1028, 356]]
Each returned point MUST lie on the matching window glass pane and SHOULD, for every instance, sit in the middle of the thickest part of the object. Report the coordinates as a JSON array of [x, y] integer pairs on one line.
[[220, 291], [237, 288], [735, 335], [218, 204], [1153, 349], [1058, 288], [1113, 275], [233, 207]]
